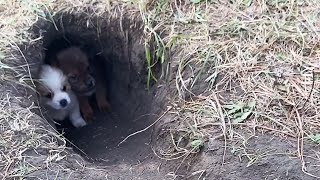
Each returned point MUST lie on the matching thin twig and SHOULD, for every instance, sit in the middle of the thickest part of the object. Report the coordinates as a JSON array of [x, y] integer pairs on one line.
[[312, 87], [223, 124], [142, 130], [300, 141]]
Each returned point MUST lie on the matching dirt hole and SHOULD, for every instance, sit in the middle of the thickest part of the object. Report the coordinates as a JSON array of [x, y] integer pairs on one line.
[[134, 108]]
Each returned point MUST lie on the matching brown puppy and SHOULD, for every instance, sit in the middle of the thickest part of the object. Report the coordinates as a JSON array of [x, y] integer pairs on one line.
[[84, 82]]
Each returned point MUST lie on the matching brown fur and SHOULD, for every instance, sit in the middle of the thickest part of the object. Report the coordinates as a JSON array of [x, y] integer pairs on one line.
[[75, 64]]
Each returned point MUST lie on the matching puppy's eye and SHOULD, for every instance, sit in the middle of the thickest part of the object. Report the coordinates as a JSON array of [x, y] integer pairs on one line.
[[64, 88], [89, 69], [49, 95], [73, 78]]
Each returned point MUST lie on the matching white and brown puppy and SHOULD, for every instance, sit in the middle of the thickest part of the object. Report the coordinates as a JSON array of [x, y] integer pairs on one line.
[[57, 97], [86, 76]]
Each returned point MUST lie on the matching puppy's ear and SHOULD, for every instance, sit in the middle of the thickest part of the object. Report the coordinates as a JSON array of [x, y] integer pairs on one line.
[[89, 50], [41, 90], [37, 84]]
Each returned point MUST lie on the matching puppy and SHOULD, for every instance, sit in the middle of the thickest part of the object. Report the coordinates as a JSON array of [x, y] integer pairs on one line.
[[56, 96], [85, 78]]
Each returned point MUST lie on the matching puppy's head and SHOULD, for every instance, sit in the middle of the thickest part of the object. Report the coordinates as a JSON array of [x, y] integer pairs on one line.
[[75, 64], [53, 87]]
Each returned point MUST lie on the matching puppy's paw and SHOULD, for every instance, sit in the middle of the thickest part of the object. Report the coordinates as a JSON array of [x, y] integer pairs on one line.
[[86, 108], [79, 122], [88, 114], [104, 106]]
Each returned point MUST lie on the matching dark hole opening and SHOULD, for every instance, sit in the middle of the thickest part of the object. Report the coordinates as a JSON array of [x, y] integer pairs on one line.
[[133, 107]]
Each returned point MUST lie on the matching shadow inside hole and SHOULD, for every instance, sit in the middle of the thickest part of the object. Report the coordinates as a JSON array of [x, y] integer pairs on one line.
[[132, 105]]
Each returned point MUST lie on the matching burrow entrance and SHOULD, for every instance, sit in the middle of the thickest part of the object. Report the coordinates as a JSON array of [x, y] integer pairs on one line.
[[133, 107]]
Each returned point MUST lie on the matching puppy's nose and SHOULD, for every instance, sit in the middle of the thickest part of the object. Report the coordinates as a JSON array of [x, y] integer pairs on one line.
[[63, 103], [90, 83]]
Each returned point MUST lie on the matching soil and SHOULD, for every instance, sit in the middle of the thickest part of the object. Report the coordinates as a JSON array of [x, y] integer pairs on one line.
[[135, 108], [271, 158]]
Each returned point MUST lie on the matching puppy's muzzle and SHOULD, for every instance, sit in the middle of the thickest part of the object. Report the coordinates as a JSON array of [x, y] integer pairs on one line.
[[90, 83]]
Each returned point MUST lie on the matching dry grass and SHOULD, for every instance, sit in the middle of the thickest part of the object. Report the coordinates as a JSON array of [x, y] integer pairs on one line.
[[29, 148], [24, 141], [264, 52]]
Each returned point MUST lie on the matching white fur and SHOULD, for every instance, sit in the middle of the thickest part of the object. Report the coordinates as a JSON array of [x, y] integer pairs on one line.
[[54, 80]]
